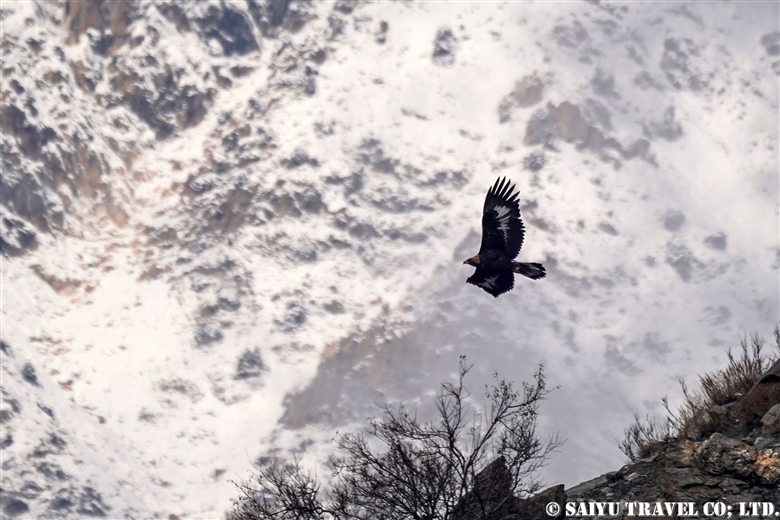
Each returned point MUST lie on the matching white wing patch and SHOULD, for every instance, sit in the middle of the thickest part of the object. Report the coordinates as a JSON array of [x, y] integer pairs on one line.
[[501, 210], [503, 220], [489, 283]]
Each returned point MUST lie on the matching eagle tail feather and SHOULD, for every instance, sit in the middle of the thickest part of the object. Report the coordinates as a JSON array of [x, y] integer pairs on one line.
[[533, 271]]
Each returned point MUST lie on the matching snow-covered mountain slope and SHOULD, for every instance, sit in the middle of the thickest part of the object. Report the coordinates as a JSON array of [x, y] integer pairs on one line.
[[58, 461], [231, 227]]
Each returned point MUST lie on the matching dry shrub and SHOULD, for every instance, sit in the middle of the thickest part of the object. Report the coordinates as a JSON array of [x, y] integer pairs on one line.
[[646, 438]]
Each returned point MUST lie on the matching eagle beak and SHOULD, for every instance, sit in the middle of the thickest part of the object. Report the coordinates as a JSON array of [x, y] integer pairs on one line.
[[474, 260]]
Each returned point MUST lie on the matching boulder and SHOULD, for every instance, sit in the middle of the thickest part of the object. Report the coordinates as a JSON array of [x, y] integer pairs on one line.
[[720, 454], [771, 421]]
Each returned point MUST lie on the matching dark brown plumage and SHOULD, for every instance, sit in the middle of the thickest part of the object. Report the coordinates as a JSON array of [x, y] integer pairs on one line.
[[502, 238]]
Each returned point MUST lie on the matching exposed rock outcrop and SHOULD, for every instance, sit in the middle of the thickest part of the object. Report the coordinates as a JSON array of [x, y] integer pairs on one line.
[[740, 463]]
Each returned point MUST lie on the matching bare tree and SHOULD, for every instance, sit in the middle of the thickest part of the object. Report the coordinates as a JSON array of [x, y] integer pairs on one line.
[[466, 465]]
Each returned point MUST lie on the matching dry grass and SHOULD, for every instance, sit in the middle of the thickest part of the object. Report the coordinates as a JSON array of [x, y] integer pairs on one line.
[[693, 419], [646, 437]]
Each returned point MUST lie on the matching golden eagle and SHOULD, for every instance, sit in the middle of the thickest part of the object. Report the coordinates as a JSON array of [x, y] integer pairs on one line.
[[502, 238]]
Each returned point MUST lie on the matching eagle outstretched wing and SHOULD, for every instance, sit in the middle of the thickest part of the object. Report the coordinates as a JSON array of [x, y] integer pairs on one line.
[[495, 283], [501, 225]]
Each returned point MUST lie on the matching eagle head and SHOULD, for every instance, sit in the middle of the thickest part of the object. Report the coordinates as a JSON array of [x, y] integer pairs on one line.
[[474, 260]]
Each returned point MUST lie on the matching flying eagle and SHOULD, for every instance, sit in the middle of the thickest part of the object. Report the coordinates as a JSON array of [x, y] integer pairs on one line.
[[502, 238]]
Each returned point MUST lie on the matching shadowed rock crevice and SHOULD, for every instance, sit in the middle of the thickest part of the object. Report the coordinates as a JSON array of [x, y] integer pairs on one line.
[[250, 365], [274, 16], [230, 28], [31, 138], [108, 20], [444, 47]]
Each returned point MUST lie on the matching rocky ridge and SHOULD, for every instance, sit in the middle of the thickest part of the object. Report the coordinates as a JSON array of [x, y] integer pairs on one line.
[[739, 463]]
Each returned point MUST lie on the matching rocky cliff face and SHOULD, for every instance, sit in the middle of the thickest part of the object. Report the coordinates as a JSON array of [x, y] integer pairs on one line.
[[719, 468], [739, 463]]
